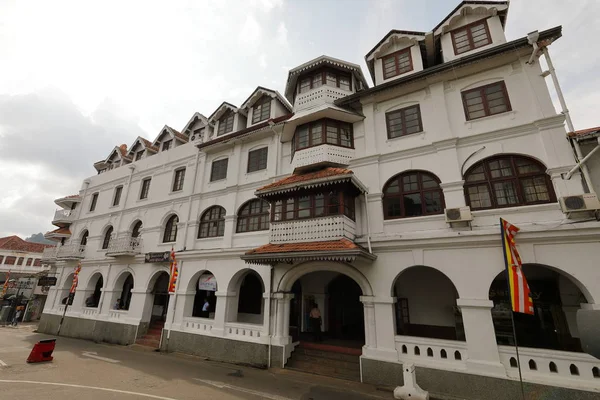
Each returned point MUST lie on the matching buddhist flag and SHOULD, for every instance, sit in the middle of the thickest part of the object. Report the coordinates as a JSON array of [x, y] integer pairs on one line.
[[75, 279], [5, 287], [520, 296], [173, 272]]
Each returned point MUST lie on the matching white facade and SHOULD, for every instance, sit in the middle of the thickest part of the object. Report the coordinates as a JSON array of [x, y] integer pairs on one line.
[[455, 266]]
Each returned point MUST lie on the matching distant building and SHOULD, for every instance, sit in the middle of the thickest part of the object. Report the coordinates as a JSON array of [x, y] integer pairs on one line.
[[379, 204]]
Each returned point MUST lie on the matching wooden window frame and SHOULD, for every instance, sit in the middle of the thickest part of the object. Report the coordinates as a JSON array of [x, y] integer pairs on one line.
[[170, 232], [178, 180], [29, 262], [145, 189], [516, 179], [94, 202], [264, 216], [214, 167], [258, 163], [10, 260], [261, 103], [467, 28], [421, 191], [37, 262], [396, 56], [222, 130], [323, 123], [346, 205], [486, 108], [20, 260], [107, 237], [402, 112], [206, 220], [166, 145], [323, 72], [117, 196]]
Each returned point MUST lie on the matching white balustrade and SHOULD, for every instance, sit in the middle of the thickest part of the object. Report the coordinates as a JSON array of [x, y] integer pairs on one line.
[[70, 251], [245, 332], [198, 325], [323, 153], [124, 246], [64, 215], [49, 253], [313, 229], [431, 352], [117, 314], [553, 367], [318, 96], [89, 312], [61, 309]]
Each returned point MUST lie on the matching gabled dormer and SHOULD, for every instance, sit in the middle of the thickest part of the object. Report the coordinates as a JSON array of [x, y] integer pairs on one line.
[[321, 81], [169, 138], [397, 55], [197, 129], [471, 27], [264, 104], [141, 148], [117, 157], [227, 119]]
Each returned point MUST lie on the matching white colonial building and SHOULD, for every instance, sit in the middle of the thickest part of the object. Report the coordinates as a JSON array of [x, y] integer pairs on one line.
[[381, 205]]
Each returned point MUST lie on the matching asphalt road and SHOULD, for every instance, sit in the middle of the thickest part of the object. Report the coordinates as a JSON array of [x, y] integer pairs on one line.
[[91, 371]]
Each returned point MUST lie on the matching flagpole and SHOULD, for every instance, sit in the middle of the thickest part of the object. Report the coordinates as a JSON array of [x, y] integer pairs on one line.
[[512, 316], [63, 316], [71, 292]]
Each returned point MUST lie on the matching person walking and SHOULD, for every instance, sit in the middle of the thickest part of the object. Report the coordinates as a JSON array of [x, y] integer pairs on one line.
[[315, 322], [16, 317], [205, 308]]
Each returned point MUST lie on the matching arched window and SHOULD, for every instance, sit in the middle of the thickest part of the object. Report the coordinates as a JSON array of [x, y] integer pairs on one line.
[[412, 194], [125, 299], [107, 237], [253, 216], [136, 229], [250, 295], [84, 238], [507, 181], [171, 229], [212, 222]]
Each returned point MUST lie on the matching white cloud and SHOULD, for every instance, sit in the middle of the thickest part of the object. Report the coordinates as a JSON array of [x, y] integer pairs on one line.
[[282, 34], [251, 31], [262, 60]]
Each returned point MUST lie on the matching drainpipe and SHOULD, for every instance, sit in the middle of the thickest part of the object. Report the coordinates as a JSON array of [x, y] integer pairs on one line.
[[132, 169], [368, 223], [565, 111]]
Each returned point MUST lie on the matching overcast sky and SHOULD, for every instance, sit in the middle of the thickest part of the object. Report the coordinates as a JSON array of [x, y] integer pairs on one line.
[[79, 77]]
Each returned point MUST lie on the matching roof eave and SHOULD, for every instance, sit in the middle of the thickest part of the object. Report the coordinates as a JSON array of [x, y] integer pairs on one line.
[[349, 255]]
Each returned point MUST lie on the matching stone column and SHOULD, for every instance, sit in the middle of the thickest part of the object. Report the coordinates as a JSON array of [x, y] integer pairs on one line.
[[109, 300], [224, 300], [481, 339], [282, 319], [230, 221], [383, 322], [369, 315]]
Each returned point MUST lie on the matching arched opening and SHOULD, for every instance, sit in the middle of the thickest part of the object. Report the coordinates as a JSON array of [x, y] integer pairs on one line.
[[412, 194], [170, 233], [426, 305], [552, 367], [556, 299], [574, 370], [596, 372], [513, 362], [253, 216], [160, 292], [137, 229], [443, 354], [532, 365], [123, 297], [205, 301], [212, 222], [107, 237], [250, 299], [84, 238], [94, 290]]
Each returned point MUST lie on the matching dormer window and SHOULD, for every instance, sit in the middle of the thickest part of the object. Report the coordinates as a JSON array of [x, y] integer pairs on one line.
[[327, 77], [261, 110], [138, 155], [167, 145], [226, 123], [397, 63], [471, 37]]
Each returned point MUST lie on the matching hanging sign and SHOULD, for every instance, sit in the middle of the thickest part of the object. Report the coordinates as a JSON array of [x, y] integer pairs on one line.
[[47, 281], [157, 257], [207, 282]]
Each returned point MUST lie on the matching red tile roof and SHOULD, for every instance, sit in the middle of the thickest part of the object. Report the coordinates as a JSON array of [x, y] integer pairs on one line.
[[330, 245], [179, 135], [71, 196], [60, 231], [149, 145], [18, 244], [585, 132], [309, 176]]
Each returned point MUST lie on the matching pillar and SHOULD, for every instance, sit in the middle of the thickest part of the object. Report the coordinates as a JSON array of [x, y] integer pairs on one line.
[[281, 333], [225, 300], [230, 221], [380, 327], [481, 339]]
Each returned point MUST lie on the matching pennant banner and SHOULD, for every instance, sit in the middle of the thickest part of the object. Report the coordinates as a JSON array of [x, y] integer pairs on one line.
[[5, 287], [75, 279], [520, 295], [173, 271]]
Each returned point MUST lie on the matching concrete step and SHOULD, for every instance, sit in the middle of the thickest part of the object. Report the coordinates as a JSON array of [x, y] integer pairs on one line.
[[148, 342], [327, 355], [326, 370], [155, 331], [355, 364]]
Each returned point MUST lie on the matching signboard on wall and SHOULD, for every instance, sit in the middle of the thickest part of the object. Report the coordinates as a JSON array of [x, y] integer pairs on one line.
[[157, 257], [47, 281], [207, 282]]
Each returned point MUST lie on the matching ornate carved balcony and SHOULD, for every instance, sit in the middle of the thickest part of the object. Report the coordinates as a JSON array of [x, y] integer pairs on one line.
[[313, 229], [71, 251], [124, 246], [63, 217], [322, 154], [319, 96]]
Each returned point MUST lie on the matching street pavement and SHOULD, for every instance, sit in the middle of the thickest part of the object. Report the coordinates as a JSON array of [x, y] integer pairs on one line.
[[93, 371]]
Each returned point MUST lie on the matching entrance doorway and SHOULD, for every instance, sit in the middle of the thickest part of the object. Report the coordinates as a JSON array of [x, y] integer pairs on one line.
[[160, 303]]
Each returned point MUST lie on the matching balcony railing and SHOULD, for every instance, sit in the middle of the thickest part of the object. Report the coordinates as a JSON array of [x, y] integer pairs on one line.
[[49, 254], [71, 251], [324, 153], [313, 230], [316, 97], [65, 216], [124, 246]]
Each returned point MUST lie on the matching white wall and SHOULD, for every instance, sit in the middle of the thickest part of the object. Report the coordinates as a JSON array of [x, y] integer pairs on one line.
[[415, 53]]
